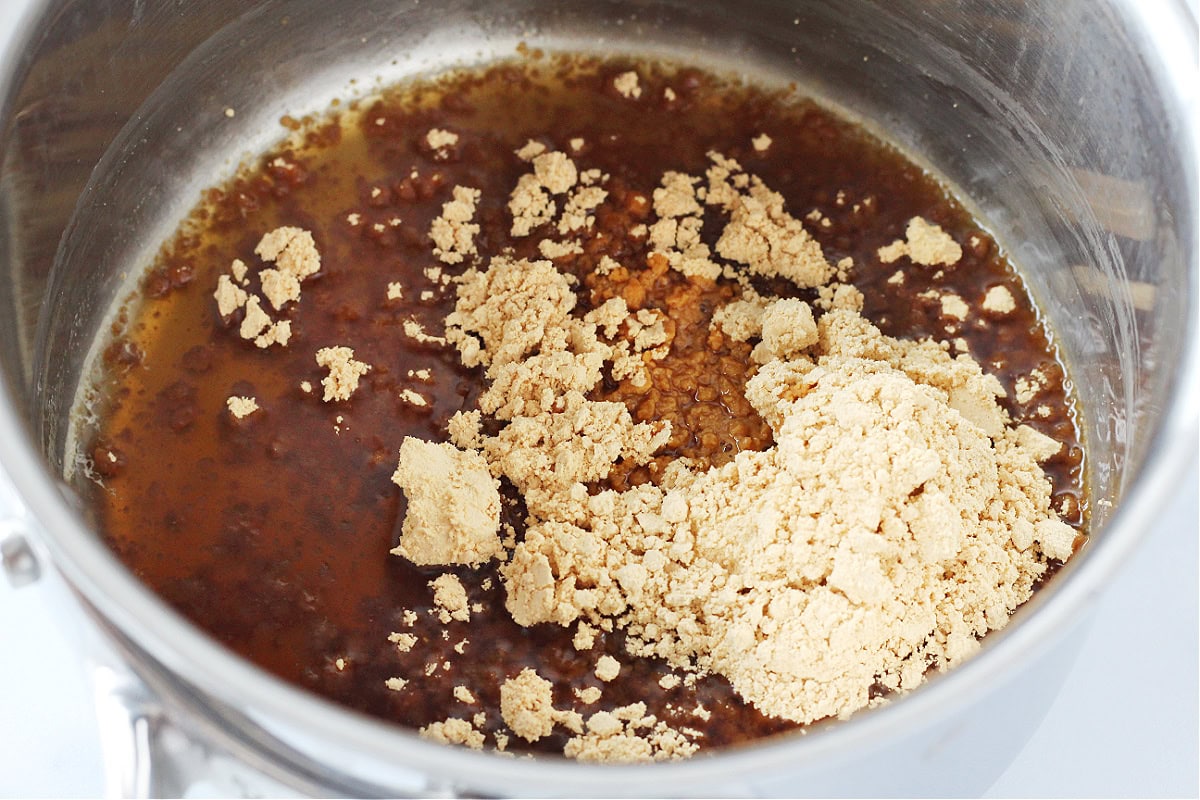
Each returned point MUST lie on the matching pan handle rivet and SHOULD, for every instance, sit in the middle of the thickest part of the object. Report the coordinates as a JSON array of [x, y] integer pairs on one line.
[[21, 566]]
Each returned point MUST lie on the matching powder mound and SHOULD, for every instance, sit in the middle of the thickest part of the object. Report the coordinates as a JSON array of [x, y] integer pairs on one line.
[[453, 505], [896, 518], [872, 540]]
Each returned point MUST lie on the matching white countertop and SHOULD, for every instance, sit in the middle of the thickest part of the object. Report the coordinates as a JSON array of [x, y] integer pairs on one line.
[[1125, 724]]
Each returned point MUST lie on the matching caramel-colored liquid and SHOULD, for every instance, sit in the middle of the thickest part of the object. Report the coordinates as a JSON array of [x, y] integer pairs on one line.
[[272, 532]]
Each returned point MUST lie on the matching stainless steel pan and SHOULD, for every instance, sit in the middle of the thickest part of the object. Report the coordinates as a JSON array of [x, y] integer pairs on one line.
[[1070, 125]]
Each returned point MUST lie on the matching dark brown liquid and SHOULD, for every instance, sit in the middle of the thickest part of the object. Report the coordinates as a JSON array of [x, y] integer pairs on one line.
[[272, 533]]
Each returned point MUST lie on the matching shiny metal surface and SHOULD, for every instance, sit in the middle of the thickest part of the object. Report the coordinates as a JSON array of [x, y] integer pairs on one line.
[[1071, 125]]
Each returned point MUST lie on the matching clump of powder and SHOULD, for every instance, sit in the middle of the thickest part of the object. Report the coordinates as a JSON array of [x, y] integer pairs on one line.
[[453, 505], [924, 243], [294, 254]]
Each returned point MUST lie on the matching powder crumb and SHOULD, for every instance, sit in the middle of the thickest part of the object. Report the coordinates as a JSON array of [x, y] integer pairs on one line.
[[588, 694], [585, 637], [255, 320], [450, 596], [241, 407], [925, 243], [395, 684], [306, 387], [464, 430], [740, 320], [999, 300], [279, 287], [669, 94], [576, 144], [555, 171], [577, 212], [461, 646], [453, 731], [453, 232], [453, 512], [276, 333], [607, 668], [530, 205], [628, 735], [530, 149], [761, 143], [404, 641], [552, 249], [527, 705], [292, 250], [439, 139], [395, 291], [463, 695], [413, 398], [340, 663], [954, 306], [896, 278], [669, 681], [416, 331], [627, 84], [344, 372], [760, 233], [1029, 386], [229, 296], [788, 329]]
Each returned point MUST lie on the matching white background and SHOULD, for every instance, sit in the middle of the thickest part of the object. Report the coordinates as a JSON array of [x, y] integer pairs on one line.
[[1125, 725]]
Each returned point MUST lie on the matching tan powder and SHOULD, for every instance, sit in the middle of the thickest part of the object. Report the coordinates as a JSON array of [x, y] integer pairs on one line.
[[527, 705], [896, 519], [999, 300], [607, 668], [925, 244], [627, 735], [344, 372], [627, 84], [450, 596], [241, 407], [453, 512], [453, 232], [454, 731]]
